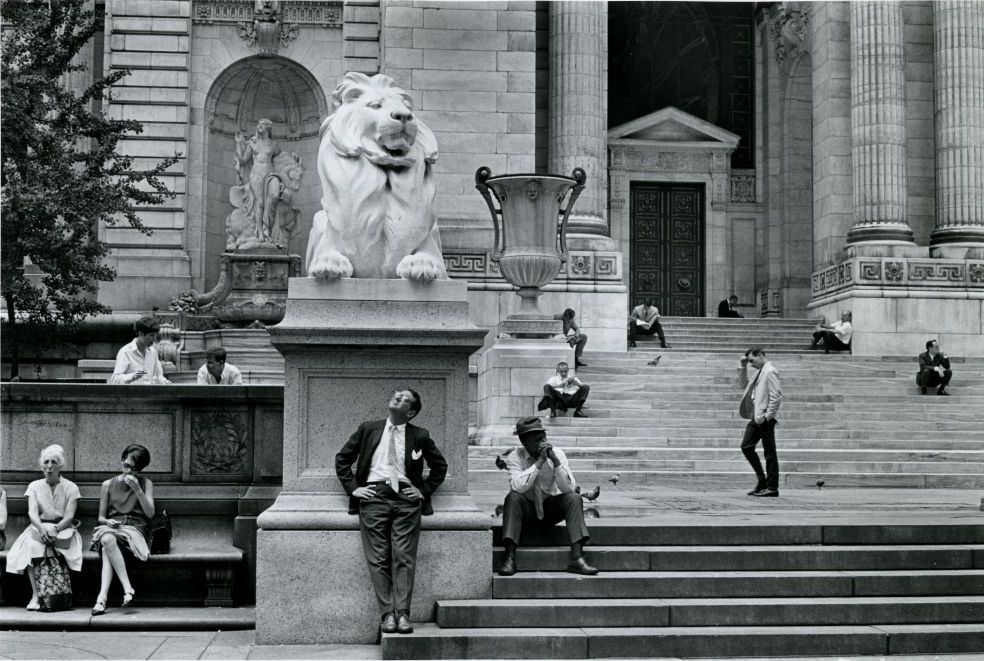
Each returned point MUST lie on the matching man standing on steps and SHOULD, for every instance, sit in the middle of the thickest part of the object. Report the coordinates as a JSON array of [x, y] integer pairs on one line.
[[542, 493], [934, 369], [644, 320], [388, 490], [572, 332], [760, 405]]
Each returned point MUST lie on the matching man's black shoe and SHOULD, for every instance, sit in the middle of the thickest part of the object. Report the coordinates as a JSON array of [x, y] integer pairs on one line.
[[403, 624], [922, 390], [508, 567], [578, 363], [767, 493], [388, 625], [578, 413], [942, 392], [579, 566], [758, 487]]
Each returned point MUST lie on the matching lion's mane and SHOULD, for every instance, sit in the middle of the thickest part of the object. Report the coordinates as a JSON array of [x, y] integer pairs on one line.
[[377, 218]]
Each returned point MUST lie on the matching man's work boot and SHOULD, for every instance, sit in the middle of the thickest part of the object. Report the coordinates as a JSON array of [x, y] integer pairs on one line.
[[578, 565], [508, 566]]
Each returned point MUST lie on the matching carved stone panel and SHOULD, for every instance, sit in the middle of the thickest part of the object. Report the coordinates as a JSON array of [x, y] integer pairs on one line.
[[219, 442]]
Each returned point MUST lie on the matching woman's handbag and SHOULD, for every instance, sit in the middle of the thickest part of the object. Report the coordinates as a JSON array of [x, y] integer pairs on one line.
[[160, 534], [53, 581]]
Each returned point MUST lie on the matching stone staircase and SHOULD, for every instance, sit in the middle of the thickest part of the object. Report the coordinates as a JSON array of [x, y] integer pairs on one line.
[[713, 334], [780, 588]]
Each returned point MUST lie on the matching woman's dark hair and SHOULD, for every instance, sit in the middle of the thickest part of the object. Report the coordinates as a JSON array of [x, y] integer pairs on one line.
[[141, 455]]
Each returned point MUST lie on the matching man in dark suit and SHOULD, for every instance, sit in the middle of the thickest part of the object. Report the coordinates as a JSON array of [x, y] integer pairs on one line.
[[388, 490], [726, 308], [934, 369]]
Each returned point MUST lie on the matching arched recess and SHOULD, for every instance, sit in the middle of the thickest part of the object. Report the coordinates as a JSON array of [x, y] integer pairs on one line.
[[251, 89], [797, 187]]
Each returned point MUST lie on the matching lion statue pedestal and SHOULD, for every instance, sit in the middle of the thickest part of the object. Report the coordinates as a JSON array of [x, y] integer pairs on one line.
[[347, 344]]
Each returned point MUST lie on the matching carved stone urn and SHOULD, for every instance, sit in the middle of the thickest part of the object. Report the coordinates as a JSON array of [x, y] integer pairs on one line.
[[530, 238]]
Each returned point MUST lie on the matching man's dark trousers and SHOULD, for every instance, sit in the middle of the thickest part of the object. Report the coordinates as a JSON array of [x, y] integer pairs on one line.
[[766, 432], [554, 399], [390, 527], [655, 329], [930, 378], [519, 511]]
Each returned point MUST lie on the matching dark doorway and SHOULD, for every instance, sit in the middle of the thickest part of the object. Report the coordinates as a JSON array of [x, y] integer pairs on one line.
[[667, 244]]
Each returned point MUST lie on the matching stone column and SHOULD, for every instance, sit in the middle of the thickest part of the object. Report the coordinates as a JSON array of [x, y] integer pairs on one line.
[[878, 125], [958, 35], [578, 131]]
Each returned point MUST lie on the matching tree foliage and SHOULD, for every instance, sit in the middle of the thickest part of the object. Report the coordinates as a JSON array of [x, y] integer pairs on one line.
[[62, 173]]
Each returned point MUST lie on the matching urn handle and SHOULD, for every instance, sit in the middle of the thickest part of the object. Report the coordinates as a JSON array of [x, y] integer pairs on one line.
[[482, 175], [579, 177]]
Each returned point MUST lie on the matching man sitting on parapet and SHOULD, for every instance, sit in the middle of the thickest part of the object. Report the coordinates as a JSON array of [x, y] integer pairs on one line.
[[137, 362], [542, 493], [564, 391], [216, 371], [574, 336], [934, 369], [836, 337]]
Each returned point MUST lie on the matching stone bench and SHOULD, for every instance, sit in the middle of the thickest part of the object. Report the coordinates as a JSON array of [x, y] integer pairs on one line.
[[204, 568]]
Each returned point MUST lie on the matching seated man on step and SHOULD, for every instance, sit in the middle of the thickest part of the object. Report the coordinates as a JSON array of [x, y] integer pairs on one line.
[[644, 320], [726, 308], [934, 369], [835, 337], [564, 391], [542, 493]]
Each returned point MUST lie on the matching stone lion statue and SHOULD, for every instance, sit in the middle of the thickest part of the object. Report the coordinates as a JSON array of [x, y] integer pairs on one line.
[[375, 162]]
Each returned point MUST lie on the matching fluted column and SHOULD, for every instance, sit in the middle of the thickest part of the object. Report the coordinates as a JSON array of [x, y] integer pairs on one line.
[[878, 124], [958, 31], [578, 132]]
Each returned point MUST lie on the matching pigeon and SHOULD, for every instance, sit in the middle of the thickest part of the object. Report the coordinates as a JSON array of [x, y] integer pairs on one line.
[[497, 511], [593, 494], [820, 484], [614, 478], [499, 463], [655, 361]]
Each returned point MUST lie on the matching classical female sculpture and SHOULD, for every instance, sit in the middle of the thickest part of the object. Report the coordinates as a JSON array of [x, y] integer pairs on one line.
[[267, 179], [377, 216]]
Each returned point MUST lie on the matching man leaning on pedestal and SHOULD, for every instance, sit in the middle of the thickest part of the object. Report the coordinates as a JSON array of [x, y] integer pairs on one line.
[[542, 493], [388, 490], [934, 369]]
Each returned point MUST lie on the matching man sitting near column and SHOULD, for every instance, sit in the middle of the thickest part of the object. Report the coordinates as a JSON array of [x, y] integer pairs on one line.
[[934, 369], [542, 493], [564, 391], [216, 371], [574, 336], [389, 492], [836, 337], [726, 308], [644, 320]]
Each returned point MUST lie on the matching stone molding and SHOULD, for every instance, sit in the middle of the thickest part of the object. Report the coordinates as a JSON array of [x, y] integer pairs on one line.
[[580, 267], [899, 272], [302, 13], [743, 187]]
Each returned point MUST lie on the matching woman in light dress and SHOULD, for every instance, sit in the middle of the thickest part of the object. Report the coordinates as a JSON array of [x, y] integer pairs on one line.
[[126, 506], [51, 504]]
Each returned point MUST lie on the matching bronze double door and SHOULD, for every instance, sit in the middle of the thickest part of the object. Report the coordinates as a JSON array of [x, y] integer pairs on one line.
[[667, 247]]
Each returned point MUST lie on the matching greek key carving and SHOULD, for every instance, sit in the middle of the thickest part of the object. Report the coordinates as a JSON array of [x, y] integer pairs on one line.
[[870, 271]]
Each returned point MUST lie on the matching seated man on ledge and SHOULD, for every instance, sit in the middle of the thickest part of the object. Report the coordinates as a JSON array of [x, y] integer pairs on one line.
[[836, 337], [726, 308], [574, 336], [542, 492], [216, 371], [934, 369], [564, 391]]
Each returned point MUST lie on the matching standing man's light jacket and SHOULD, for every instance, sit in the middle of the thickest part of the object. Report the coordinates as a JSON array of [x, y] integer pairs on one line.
[[766, 395]]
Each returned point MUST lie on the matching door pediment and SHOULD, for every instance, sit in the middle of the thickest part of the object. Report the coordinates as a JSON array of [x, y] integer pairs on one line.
[[672, 127]]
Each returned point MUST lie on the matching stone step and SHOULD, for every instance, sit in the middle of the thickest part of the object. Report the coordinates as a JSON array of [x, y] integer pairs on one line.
[[754, 558], [431, 642], [588, 456], [717, 584], [135, 618], [789, 442], [736, 480], [774, 611]]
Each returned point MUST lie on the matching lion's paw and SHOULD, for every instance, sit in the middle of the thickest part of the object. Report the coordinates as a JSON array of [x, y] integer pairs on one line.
[[420, 266], [331, 265]]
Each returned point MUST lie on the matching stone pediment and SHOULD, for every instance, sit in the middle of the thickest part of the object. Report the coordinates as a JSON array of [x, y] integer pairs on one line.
[[671, 125]]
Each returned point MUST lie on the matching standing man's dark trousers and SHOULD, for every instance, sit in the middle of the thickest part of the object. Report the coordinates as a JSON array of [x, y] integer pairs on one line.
[[390, 527], [519, 511], [766, 432], [655, 329], [553, 399], [930, 378]]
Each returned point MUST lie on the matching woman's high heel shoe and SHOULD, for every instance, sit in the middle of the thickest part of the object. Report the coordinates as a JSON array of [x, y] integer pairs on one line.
[[127, 598], [99, 608]]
